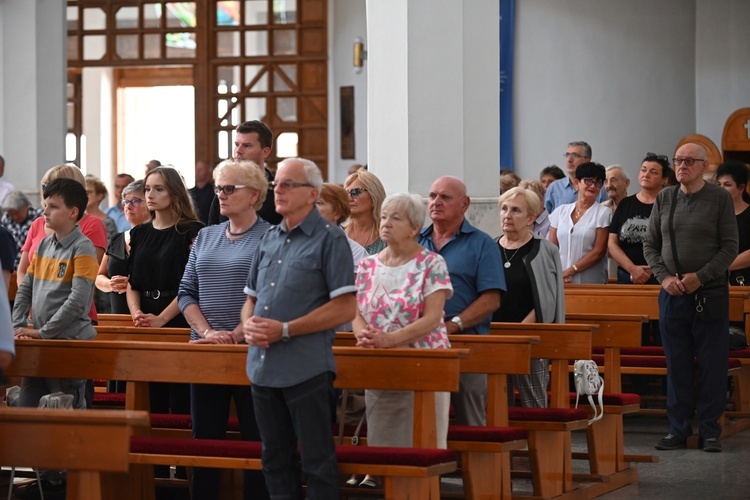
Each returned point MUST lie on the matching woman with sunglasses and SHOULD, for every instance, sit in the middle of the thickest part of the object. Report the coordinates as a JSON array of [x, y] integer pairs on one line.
[[113, 271], [732, 175], [580, 229], [366, 195], [211, 297], [630, 222]]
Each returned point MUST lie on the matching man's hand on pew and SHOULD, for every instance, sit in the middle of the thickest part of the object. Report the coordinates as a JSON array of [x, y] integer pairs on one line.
[[26, 333], [262, 332]]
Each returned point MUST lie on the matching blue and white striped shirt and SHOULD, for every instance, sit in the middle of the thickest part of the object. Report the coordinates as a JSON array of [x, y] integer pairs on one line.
[[216, 274]]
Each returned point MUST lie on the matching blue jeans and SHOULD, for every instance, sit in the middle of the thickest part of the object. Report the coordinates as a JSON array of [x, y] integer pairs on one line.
[[686, 340], [210, 413], [286, 415]]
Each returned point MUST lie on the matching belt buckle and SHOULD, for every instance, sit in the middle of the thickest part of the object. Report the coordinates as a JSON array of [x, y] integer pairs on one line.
[[155, 294]]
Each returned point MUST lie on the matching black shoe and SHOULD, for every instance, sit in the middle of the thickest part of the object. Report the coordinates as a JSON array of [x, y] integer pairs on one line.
[[712, 445], [670, 442], [51, 491]]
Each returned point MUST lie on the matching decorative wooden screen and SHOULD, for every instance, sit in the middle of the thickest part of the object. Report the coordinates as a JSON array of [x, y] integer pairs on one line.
[[252, 60]]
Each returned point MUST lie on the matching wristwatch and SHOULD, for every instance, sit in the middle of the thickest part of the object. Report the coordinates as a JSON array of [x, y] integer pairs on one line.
[[285, 332], [457, 320]]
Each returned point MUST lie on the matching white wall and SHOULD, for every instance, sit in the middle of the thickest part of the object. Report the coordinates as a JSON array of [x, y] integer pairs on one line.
[[347, 21], [619, 75], [722, 63]]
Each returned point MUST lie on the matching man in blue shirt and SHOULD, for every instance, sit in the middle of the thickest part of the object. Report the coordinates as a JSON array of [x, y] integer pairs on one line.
[[300, 287], [116, 211], [476, 272], [562, 192]]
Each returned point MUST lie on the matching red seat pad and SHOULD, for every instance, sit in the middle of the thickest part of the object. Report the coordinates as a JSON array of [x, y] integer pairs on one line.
[[109, 398], [170, 421], [485, 434], [612, 399], [546, 414], [420, 457]]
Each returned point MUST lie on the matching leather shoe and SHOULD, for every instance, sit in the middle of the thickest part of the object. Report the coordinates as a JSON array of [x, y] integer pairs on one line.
[[670, 442]]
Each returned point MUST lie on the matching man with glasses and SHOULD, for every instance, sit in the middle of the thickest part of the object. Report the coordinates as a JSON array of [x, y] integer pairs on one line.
[[562, 191], [476, 271], [691, 242], [253, 141], [116, 211], [300, 287]]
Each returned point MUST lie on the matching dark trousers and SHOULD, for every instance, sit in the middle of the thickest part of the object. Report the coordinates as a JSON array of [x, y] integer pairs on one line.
[[686, 340], [210, 412], [301, 412]]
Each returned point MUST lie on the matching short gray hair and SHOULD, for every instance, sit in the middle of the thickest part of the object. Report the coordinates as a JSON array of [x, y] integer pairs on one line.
[[16, 200], [133, 187], [584, 145], [411, 204], [622, 171], [312, 173]]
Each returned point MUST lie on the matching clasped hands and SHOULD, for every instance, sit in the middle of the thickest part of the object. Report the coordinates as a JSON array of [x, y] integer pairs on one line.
[[676, 286]]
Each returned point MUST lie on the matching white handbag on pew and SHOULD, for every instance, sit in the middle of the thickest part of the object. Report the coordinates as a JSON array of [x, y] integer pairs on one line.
[[589, 383]]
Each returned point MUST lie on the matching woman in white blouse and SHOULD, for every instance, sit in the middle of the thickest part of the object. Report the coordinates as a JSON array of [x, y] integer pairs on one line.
[[581, 229]]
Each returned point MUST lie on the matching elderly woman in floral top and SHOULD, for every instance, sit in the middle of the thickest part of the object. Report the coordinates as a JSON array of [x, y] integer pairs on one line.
[[401, 292]]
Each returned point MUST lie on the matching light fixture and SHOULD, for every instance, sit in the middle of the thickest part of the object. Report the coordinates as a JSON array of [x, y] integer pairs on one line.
[[360, 54]]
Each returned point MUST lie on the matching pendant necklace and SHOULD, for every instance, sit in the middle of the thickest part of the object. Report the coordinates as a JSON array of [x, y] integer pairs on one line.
[[507, 260], [239, 233]]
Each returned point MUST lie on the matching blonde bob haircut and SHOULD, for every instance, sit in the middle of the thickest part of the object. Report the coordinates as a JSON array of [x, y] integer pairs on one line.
[[374, 188], [249, 174], [533, 204], [410, 205]]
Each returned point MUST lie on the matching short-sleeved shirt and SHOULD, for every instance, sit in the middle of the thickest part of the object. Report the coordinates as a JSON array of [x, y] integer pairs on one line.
[[475, 266], [295, 272], [576, 240], [391, 298], [562, 192], [92, 227], [630, 224], [118, 215]]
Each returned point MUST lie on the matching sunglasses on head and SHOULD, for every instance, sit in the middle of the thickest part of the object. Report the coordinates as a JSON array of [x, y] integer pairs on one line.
[[654, 156]]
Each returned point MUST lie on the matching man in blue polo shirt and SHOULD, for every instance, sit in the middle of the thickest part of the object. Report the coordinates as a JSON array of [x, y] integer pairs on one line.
[[300, 287], [476, 270], [562, 192]]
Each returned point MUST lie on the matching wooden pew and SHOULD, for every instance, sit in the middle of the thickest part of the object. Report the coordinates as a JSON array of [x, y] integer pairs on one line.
[[71, 440], [115, 320], [420, 370], [142, 334], [560, 343]]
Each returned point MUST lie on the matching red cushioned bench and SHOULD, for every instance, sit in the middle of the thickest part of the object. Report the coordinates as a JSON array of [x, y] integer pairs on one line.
[[406, 471], [423, 371]]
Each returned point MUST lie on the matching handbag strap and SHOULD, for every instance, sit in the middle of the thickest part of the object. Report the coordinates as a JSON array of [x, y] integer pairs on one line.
[[672, 239]]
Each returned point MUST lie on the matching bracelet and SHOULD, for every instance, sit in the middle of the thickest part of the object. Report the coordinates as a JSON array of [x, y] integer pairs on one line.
[[575, 268], [205, 332]]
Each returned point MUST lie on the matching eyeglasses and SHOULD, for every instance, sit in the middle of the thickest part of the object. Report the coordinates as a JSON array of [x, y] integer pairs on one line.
[[136, 202], [575, 156], [590, 181], [355, 192], [227, 189], [689, 162], [654, 156], [290, 185]]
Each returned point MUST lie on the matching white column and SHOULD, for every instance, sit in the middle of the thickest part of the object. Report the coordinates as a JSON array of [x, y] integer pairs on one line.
[[32, 89], [433, 97]]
